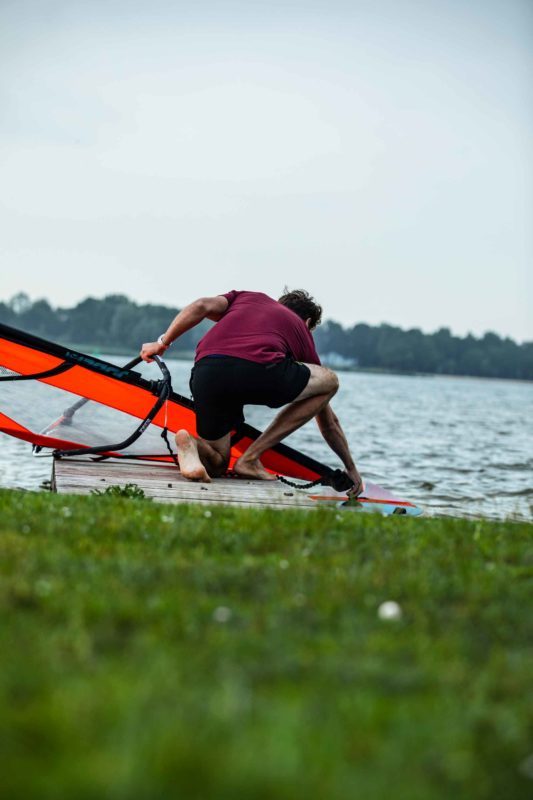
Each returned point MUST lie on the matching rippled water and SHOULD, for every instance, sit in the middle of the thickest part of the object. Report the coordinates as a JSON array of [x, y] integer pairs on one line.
[[458, 446]]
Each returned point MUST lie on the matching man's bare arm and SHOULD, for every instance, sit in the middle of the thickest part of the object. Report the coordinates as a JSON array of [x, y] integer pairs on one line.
[[333, 434], [211, 308], [204, 308]]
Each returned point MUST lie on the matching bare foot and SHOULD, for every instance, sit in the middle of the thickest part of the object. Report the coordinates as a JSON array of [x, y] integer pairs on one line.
[[252, 468], [190, 465]]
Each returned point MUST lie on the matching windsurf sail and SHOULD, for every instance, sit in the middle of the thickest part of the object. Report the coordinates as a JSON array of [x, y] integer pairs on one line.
[[72, 403]]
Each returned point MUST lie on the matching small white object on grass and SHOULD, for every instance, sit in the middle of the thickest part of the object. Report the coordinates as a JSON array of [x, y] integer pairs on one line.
[[222, 614], [390, 610]]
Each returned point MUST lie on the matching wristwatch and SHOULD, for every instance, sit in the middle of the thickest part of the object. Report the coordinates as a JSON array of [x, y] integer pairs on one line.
[[161, 341]]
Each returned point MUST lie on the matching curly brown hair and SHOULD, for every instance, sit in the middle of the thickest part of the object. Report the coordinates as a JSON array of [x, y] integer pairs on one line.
[[302, 304]]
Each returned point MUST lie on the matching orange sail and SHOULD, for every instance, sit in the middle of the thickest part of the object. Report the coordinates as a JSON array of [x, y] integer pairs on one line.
[[44, 386]]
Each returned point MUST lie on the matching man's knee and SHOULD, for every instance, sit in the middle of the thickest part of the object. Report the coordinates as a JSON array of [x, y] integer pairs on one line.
[[334, 382], [217, 470], [329, 381], [215, 455], [322, 381]]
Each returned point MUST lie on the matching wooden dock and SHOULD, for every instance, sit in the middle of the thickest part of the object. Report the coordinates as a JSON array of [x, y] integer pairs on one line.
[[164, 484]]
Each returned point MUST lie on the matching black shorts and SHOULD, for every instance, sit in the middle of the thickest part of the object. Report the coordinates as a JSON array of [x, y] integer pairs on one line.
[[222, 385]]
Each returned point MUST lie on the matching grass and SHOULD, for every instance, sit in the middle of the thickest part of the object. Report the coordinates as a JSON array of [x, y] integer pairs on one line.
[[152, 651]]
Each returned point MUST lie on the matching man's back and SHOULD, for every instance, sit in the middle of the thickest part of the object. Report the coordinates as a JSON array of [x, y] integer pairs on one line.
[[257, 328]]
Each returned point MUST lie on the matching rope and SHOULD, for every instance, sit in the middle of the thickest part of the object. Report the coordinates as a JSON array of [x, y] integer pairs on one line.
[[164, 436], [338, 480], [294, 485]]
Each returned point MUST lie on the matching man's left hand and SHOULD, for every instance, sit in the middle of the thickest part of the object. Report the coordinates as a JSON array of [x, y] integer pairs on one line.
[[358, 486]]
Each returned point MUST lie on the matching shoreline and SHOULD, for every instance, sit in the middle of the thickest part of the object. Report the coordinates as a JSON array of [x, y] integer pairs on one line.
[[45, 489]]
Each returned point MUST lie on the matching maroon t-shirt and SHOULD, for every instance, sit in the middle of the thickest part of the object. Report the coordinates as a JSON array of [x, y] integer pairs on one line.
[[259, 329]]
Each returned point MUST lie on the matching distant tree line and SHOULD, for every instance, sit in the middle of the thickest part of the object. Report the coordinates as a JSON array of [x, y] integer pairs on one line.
[[109, 324], [393, 349], [116, 322]]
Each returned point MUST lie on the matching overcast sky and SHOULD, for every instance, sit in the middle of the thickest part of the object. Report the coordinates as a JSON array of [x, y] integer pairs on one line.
[[377, 152]]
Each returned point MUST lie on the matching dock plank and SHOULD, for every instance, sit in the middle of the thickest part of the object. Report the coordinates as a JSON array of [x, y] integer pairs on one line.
[[164, 483]]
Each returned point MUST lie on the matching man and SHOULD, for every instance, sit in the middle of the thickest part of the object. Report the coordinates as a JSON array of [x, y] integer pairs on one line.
[[260, 352]]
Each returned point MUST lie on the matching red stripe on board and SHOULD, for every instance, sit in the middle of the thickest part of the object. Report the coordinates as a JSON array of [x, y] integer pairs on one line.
[[362, 500]]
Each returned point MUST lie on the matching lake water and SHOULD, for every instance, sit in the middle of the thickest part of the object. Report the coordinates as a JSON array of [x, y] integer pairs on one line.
[[456, 446]]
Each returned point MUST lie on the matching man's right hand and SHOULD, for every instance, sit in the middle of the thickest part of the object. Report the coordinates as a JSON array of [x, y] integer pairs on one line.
[[151, 349]]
